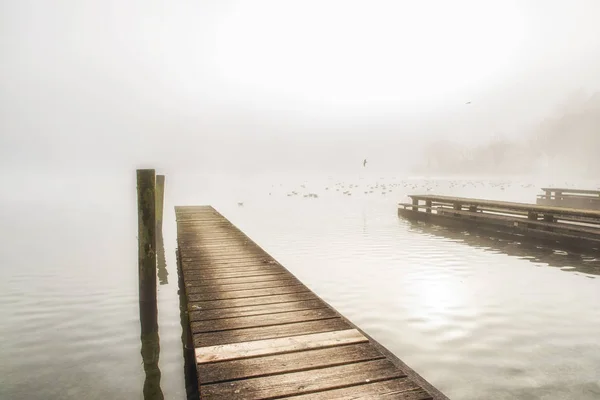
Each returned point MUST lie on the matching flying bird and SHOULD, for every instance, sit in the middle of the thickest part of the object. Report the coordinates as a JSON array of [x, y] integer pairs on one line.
[[468, 102]]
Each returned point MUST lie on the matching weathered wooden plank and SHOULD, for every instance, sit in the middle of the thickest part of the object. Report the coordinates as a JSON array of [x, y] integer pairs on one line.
[[303, 382], [288, 362], [281, 345], [218, 287], [209, 275], [268, 332], [398, 389], [198, 281], [226, 258], [260, 333], [224, 244], [250, 301], [252, 321], [246, 293], [203, 266], [205, 315], [216, 262]]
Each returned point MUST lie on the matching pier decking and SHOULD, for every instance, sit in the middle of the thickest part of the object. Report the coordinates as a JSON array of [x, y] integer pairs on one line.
[[259, 333], [574, 228], [572, 198]]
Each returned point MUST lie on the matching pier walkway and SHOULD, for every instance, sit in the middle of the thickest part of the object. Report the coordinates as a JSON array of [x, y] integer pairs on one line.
[[259, 333]]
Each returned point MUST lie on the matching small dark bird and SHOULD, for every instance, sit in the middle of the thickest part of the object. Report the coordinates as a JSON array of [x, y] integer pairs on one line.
[[365, 162], [468, 102]]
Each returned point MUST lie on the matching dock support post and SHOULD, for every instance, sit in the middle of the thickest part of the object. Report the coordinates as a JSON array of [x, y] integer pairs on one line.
[[160, 199], [146, 192], [146, 186], [428, 204], [415, 204], [160, 247]]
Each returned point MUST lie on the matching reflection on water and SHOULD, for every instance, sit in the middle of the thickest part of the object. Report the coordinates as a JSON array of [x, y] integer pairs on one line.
[[150, 355], [507, 244], [478, 324]]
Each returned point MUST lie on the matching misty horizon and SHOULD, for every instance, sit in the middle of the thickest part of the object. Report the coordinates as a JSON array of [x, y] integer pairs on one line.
[[232, 86]]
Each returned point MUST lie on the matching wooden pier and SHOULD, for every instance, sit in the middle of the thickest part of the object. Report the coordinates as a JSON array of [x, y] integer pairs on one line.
[[572, 228], [571, 198], [259, 333]]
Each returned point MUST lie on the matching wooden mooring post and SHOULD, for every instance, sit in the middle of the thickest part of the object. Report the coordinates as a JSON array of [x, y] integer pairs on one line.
[[146, 196], [163, 274], [146, 188]]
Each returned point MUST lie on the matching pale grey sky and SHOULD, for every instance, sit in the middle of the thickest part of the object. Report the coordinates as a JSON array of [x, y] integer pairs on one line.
[[180, 83]]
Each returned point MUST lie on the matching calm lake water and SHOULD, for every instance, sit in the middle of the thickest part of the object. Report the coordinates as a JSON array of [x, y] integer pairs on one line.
[[477, 317]]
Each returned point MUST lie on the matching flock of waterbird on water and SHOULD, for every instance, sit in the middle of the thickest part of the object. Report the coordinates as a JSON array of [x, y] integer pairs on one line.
[[382, 188]]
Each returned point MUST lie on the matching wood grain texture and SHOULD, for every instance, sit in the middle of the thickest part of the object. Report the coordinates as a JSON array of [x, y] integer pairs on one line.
[[268, 332], [396, 389], [303, 382], [279, 345], [252, 321], [203, 296], [211, 281], [234, 287], [207, 315], [249, 301], [258, 332], [287, 362]]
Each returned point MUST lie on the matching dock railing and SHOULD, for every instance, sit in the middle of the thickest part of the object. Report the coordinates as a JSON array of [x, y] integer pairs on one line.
[[571, 198], [575, 225]]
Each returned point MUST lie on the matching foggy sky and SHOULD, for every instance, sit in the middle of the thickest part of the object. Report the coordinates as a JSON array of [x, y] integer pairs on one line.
[[269, 84]]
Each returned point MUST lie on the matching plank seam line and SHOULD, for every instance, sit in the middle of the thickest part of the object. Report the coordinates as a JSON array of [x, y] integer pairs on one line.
[[335, 387], [228, 268], [319, 307], [195, 332], [284, 352], [263, 304], [192, 277], [299, 369], [201, 265], [359, 337], [222, 259], [237, 290], [244, 297]]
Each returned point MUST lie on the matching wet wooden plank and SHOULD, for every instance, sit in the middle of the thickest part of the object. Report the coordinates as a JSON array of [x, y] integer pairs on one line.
[[219, 287], [206, 315], [260, 333], [397, 389], [192, 275], [219, 262], [233, 351], [303, 382], [192, 279], [246, 293], [241, 258], [252, 321], [287, 362], [268, 332], [202, 267], [251, 301]]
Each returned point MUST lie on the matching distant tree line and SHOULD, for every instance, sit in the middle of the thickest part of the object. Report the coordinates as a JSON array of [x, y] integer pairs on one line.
[[568, 141]]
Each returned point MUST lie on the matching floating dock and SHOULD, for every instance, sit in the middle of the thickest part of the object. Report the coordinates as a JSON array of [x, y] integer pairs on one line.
[[571, 198], [259, 333], [572, 228]]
